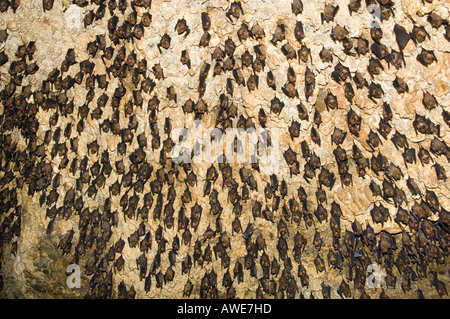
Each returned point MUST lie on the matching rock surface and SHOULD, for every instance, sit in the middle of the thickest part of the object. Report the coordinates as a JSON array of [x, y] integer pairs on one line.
[[33, 265]]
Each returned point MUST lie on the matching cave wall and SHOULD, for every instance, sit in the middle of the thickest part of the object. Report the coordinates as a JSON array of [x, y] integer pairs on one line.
[[33, 263]]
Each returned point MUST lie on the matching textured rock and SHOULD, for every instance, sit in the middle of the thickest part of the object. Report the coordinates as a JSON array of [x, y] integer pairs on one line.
[[38, 267]]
